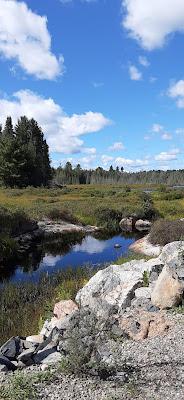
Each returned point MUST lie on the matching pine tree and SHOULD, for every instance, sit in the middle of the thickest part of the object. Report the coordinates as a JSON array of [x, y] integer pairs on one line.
[[24, 154], [8, 129]]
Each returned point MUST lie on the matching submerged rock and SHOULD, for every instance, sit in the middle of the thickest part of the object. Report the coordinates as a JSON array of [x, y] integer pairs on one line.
[[127, 224], [142, 225]]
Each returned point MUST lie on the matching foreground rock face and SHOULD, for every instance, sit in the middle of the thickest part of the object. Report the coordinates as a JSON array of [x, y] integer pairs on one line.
[[113, 288], [168, 290]]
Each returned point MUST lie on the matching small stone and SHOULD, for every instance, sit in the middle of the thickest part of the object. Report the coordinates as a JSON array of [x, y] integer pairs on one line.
[[26, 355], [64, 308], [3, 368], [143, 292], [53, 358], [37, 339]]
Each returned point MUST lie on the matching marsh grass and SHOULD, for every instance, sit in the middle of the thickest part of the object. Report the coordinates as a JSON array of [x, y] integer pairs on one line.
[[130, 257], [84, 201], [25, 306]]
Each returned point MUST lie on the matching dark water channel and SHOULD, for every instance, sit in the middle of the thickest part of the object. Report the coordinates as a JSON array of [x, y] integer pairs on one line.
[[56, 255]]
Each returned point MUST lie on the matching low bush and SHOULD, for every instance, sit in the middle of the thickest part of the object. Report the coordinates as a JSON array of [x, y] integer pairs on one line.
[[108, 218], [163, 232], [146, 209], [57, 214], [173, 195]]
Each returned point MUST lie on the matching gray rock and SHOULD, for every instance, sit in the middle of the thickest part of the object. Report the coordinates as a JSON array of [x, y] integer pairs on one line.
[[4, 361], [11, 348], [127, 224], [53, 358], [142, 225], [35, 339], [113, 288], [40, 356], [3, 368], [173, 256], [143, 292], [26, 356], [168, 290]]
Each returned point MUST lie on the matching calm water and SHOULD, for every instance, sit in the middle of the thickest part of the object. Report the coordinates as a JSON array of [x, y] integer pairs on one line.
[[89, 250]]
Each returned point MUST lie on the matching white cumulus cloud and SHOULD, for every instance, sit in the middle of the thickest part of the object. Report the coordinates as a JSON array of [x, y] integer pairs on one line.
[[176, 91], [144, 61], [24, 37], [126, 162], [157, 128], [134, 73], [167, 155], [150, 22], [166, 136], [63, 132], [117, 146]]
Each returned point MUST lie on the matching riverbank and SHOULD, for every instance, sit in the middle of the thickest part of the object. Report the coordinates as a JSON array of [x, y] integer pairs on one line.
[[117, 339], [143, 246]]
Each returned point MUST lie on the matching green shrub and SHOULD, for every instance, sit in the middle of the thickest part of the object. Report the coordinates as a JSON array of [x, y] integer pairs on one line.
[[163, 232], [108, 218], [145, 278], [173, 195], [146, 209]]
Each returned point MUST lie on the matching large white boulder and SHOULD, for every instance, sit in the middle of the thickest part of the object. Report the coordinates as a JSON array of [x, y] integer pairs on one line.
[[168, 290], [113, 288], [173, 256]]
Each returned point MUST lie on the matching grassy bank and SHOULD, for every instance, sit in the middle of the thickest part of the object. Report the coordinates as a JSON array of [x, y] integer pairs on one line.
[[85, 201], [24, 307]]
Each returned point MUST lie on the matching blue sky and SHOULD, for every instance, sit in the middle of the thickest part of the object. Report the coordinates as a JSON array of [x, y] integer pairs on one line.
[[104, 78]]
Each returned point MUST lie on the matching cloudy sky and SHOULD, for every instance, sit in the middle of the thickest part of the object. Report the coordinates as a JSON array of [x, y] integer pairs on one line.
[[104, 78]]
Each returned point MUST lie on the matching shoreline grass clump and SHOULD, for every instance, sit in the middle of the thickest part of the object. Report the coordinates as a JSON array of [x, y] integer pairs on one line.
[[24, 305]]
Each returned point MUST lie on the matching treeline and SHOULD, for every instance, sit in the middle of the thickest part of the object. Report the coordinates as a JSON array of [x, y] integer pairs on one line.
[[77, 175], [24, 154]]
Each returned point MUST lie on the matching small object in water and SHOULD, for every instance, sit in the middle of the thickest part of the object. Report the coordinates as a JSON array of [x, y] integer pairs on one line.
[[117, 246]]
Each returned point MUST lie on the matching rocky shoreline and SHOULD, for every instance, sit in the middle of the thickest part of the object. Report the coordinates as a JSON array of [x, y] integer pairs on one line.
[[46, 229], [143, 246], [118, 334]]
